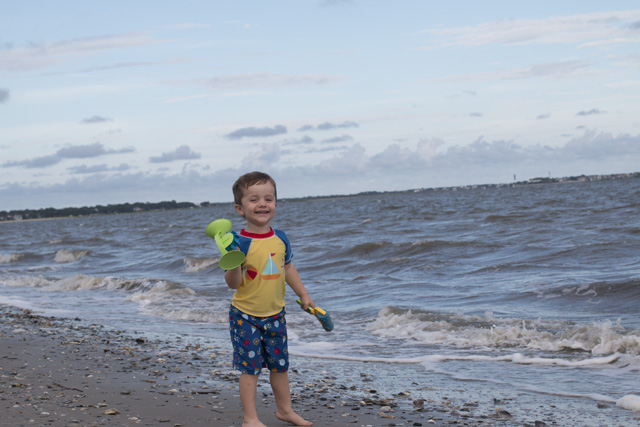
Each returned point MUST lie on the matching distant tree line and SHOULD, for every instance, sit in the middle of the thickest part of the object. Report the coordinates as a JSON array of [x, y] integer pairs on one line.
[[95, 210], [579, 178]]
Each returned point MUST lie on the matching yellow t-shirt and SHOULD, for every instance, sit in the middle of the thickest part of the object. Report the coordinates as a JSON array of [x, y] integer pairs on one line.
[[263, 283]]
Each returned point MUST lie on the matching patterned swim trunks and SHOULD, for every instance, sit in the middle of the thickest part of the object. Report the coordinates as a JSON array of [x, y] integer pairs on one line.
[[258, 342]]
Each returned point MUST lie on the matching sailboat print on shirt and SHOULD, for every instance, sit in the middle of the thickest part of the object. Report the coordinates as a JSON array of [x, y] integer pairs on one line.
[[270, 271]]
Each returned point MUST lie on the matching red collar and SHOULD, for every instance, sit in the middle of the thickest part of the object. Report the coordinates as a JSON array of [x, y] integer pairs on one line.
[[256, 235]]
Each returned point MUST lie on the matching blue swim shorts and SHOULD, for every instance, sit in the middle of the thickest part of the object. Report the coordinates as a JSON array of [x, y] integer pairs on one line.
[[258, 342]]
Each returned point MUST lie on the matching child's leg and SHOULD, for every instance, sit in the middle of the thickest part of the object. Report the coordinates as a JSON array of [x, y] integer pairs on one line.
[[282, 393], [248, 391]]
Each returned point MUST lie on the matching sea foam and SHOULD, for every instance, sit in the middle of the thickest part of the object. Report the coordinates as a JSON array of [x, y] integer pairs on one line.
[[630, 402], [9, 258], [464, 331], [193, 265], [66, 255]]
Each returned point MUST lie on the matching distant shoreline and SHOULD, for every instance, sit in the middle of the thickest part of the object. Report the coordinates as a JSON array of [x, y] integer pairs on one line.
[[122, 208]]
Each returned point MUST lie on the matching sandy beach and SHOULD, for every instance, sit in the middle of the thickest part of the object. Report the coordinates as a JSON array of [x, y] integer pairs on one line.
[[61, 372]]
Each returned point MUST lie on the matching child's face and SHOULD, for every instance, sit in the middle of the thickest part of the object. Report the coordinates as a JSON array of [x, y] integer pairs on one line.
[[258, 207]]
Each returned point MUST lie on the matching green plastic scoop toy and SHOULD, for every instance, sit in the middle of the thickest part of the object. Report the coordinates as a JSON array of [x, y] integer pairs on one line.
[[219, 230]]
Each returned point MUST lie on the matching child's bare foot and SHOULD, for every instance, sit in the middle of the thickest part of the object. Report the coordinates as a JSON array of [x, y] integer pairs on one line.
[[293, 418], [253, 423]]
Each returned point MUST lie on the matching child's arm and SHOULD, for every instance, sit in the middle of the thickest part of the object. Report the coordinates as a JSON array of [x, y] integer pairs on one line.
[[295, 283], [233, 277]]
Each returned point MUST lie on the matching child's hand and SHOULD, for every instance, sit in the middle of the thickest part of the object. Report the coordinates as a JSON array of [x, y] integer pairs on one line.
[[306, 302]]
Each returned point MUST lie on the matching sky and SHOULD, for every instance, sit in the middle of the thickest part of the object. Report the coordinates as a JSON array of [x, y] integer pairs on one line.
[[148, 101]]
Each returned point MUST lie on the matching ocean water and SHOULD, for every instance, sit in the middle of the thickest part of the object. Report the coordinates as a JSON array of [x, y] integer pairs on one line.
[[524, 294]]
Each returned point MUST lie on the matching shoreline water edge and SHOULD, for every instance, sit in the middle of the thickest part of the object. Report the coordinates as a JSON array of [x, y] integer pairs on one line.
[[61, 371]]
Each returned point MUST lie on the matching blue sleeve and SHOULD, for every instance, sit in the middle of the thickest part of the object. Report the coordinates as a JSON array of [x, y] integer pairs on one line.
[[288, 253], [241, 243]]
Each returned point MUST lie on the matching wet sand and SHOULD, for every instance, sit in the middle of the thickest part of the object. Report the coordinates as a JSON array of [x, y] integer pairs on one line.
[[65, 372]]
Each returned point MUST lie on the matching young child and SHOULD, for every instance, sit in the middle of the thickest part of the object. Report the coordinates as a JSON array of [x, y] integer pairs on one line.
[[257, 317]]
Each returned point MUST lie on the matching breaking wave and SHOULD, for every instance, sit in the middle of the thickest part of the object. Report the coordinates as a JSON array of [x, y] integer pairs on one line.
[[602, 338], [193, 264], [9, 258], [66, 256]]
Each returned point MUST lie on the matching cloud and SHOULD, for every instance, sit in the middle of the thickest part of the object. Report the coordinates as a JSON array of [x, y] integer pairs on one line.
[[483, 152], [305, 140], [600, 146], [119, 65], [543, 116], [549, 69], [428, 148], [96, 119], [134, 64], [608, 42], [591, 146], [4, 95], [558, 68], [590, 112], [327, 149], [183, 152], [263, 80], [336, 139], [38, 162], [71, 152], [84, 169], [253, 132], [352, 161], [396, 158], [329, 126], [268, 156], [90, 150], [344, 125], [45, 54], [555, 30]]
